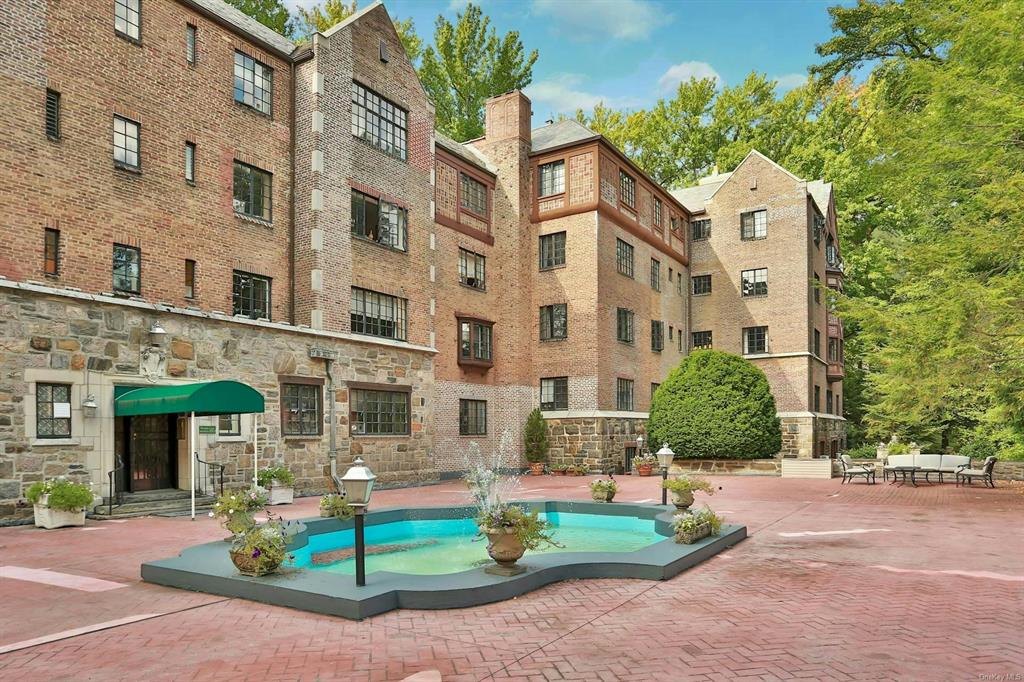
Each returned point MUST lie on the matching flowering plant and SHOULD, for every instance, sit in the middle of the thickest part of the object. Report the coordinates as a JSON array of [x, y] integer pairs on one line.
[[266, 544], [336, 505], [281, 474], [236, 510], [602, 485], [690, 523], [61, 494], [646, 459], [531, 530], [686, 484]]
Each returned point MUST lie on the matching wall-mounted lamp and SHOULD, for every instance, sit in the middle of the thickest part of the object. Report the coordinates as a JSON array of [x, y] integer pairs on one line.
[[156, 334], [89, 406]]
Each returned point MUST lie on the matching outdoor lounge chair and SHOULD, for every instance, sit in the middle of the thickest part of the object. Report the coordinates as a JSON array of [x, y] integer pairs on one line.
[[964, 474], [850, 470]]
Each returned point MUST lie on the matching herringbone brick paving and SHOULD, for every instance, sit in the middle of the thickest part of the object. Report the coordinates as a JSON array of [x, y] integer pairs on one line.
[[881, 603]]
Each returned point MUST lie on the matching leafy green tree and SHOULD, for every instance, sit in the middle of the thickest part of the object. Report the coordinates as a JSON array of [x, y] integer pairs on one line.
[[271, 13], [467, 64], [535, 437], [715, 405], [319, 18]]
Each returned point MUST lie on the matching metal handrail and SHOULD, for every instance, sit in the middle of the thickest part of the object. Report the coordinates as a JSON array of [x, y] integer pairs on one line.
[[110, 486], [220, 473]]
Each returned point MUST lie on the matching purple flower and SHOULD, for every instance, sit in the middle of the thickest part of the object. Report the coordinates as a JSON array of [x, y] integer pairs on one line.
[[256, 553]]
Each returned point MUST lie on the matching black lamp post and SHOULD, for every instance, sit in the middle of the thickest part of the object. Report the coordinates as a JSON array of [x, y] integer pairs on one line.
[[665, 457], [358, 483]]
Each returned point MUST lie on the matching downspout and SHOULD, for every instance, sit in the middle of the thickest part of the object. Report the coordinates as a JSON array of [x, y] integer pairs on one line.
[[291, 202], [332, 451]]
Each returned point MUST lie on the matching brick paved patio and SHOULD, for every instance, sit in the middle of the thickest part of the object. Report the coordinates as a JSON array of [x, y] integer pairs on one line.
[[835, 582]]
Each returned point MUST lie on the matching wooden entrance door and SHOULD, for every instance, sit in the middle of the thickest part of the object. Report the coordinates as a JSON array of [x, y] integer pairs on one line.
[[152, 452]]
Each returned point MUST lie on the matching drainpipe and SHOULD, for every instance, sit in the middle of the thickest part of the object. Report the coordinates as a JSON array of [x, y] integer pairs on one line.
[[332, 451]]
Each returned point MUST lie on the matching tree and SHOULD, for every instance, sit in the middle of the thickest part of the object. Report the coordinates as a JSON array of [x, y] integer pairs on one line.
[[319, 18], [467, 64], [715, 405], [271, 13], [535, 437]]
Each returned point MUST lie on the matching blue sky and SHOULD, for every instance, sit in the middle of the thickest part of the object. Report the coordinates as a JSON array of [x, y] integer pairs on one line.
[[627, 53]]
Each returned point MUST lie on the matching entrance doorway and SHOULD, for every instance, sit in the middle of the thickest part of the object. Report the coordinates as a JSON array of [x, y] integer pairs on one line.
[[148, 445]]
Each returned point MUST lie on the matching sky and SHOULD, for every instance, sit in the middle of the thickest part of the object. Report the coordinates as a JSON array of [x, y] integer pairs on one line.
[[628, 53]]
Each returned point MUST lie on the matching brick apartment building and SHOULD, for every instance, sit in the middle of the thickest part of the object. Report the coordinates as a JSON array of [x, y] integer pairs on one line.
[[190, 197]]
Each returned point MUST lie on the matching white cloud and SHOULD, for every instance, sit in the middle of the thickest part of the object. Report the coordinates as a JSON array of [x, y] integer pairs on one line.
[[561, 94], [603, 19], [790, 80], [684, 71]]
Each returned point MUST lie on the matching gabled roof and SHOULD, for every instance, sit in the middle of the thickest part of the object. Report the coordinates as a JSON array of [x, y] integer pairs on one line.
[[560, 134], [466, 152], [821, 192], [246, 24], [355, 16]]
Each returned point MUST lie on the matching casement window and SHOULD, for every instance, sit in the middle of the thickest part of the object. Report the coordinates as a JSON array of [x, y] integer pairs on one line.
[[51, 252], [53, 411], [126, 142], [831, 252], [627, 189], [828, 401], [754, 225], [473, 195], [624, 394], [190, 278], [252, 191], [755, 340], [476, 345], [701, 284], [835, 350], [472, 417], [679, 341], [679, 284], [377, 314], [554, 322], [472, 270], [754, 282], [657, 336], [190, 44], [817, 288], [250, 295], [654, 389], [126, 269], [817, 398], [817, 343], [379, 413], [655, 274], [554, 393], [190, 162], [624, 257], [552, 250], [670, 332], [657, 214], [229, 425], [670, 275], [624, 325], [379, 221], [700, 340], [52, 114], [700, 229], [128, 18], [254, 83], [379, 121], [819, 228], [551, 178], [302, 409]]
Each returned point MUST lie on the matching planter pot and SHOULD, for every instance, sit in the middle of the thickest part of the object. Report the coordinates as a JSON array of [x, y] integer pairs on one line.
[[280, 494], [682, 499], [644, 469], [602, 495], [325, 514], [252, 566], [571, 473], [536, 468], [701, 532], [558, 472], [56, 518], [505, 548]]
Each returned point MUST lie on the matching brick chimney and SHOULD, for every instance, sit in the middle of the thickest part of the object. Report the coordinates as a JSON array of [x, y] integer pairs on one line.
[[507, 117]]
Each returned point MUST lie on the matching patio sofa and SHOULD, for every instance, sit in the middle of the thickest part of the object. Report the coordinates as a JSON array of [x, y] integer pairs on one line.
[[925, 464]]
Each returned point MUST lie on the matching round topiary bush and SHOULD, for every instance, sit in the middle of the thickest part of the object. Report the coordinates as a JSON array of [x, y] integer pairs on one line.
[[715, 405]]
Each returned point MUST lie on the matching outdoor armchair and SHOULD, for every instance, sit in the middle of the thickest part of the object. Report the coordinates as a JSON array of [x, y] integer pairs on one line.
[[851, 470], [967, 475]]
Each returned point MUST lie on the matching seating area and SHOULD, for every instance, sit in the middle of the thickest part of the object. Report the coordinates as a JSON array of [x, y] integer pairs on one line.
[[901, 468]]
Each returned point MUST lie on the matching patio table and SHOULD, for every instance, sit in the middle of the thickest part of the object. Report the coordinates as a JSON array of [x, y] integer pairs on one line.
[[904, 470]]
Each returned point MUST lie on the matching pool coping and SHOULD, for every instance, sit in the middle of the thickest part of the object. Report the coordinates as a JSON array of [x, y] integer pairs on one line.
[[208, 568]]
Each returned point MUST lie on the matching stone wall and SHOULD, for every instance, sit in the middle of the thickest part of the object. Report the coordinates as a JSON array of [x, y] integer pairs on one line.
[[597, 442], [720, 467]]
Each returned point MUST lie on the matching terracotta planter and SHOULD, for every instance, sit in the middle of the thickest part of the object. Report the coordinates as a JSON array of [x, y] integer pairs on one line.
[[48, 518], [505, 548], [682, 499], [571, 472], [602, 495], [252, 566], [280, 494], [644, 469], [701, 532], [536, 468], [558, 472]]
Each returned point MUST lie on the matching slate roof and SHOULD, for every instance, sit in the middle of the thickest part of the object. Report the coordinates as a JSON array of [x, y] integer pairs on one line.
[[821, 191], [693, 198], [466, 152], [561, 133], [246, 24]]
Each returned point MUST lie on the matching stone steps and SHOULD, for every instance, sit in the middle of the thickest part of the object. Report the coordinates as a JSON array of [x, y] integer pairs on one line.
[[154, 503]]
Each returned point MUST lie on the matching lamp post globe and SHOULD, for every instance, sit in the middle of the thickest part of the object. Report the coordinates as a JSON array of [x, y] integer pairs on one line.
[[665, 457], [358, 485]]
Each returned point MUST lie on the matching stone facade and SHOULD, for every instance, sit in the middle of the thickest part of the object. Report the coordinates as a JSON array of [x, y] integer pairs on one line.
[[599, 443]]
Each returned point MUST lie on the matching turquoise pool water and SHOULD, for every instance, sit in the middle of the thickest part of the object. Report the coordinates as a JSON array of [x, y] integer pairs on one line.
[[431, 547]]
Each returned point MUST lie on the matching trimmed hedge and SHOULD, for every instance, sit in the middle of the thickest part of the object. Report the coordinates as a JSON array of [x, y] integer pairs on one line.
[[715, 405]]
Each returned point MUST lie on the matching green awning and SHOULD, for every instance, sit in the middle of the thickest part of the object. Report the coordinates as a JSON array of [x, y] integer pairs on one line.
[[206, 398]]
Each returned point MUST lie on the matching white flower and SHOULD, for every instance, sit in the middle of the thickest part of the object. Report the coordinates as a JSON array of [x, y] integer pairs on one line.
[[211, 515]]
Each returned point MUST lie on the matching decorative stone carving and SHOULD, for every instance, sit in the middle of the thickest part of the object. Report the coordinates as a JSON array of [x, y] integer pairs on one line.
[[152, 363]]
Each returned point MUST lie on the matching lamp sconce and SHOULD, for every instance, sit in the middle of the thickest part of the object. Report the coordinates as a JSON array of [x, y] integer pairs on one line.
[[89, 406], [156, 334]]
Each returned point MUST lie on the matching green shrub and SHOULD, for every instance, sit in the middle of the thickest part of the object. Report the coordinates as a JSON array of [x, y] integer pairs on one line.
[[535, 437], [686, 484], [978, 447], [715, 405], [281, 474], [603, 485], [337, 506], [863, 452], [62, 494], [899, 449]]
